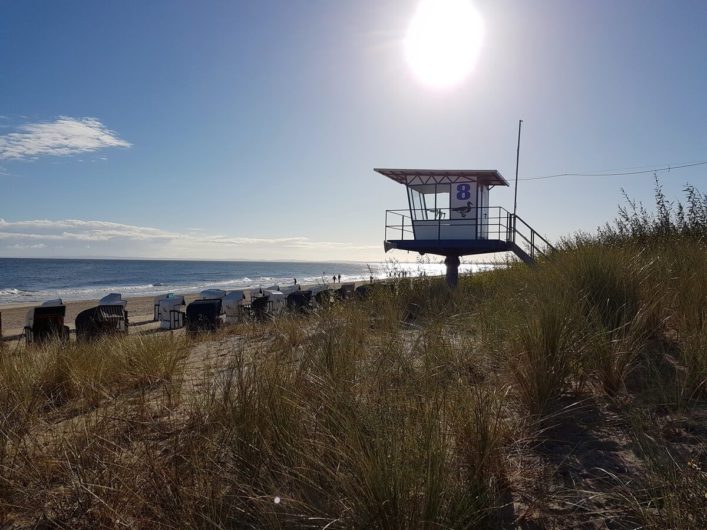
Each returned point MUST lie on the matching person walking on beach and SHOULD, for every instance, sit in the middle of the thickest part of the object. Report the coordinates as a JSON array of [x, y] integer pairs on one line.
[[333, 278], [339, 278], [295, 281]]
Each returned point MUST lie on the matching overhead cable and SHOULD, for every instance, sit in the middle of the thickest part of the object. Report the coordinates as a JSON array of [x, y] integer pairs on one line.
[[604, 174]]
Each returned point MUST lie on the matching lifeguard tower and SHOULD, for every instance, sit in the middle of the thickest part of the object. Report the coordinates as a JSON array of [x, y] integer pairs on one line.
[[449, 215]]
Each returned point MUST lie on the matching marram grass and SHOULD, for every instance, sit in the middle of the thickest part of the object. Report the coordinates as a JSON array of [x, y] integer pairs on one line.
[[410, 409]]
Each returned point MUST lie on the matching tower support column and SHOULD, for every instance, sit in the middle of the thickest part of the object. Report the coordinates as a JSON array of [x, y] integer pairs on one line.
[[452, 263]]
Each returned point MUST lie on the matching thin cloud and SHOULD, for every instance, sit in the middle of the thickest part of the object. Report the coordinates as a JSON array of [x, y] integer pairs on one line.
[[103, 231], [64, 136], [23, 246]]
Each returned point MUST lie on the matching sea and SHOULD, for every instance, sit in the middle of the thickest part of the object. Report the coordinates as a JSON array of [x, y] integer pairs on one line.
[[28, 280]]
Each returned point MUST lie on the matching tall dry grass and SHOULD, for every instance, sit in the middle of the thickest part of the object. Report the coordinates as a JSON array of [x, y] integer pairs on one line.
[[672, 491], [397, 411], [360, 415]]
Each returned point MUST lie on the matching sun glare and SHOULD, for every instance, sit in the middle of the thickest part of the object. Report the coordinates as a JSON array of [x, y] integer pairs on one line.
[[443, 41]]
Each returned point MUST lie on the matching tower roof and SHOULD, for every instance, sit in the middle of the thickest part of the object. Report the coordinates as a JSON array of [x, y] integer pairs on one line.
[[444, 176]]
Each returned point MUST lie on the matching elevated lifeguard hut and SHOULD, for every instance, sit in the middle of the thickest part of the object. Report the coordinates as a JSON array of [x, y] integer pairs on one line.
[[449, 215]]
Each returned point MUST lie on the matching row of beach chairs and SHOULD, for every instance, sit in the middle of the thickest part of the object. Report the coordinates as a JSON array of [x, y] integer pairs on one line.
[[46, 321], [217, 307], [213, 308]]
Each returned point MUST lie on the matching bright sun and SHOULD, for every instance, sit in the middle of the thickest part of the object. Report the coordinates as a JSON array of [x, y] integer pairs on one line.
[[443, 41]]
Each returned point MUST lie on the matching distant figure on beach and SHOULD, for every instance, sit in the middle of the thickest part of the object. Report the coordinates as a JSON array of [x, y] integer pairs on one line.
[[339, 278], [371, 278], [333, 278], [295, 281]]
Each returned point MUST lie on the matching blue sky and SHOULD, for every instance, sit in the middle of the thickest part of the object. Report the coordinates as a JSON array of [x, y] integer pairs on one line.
[[250, 129]]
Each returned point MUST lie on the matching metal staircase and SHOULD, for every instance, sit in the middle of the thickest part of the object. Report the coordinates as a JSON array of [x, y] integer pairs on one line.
[[525, 242]]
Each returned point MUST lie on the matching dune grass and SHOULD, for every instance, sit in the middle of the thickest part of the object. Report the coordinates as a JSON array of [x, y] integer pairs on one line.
[[549, 396]]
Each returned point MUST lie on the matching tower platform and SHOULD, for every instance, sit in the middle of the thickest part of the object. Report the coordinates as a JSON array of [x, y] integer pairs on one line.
[[496, 230]]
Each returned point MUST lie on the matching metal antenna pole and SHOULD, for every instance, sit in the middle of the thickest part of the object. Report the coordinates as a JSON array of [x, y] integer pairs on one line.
[[515, 196]]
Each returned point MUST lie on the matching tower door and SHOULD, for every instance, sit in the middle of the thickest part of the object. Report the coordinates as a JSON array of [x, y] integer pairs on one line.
[[484, 210], [463, 211]]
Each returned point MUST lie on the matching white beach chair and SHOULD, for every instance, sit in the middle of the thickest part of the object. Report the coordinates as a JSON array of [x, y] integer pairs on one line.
[[156, 306], [171, 312], [235, 304]]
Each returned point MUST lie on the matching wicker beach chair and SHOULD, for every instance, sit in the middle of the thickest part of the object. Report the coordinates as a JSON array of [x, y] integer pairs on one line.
[[101, 321], [299, 301], [346, 291], [46, 322], [204, 315]]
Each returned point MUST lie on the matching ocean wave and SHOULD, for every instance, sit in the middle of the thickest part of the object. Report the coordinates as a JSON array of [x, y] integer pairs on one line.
[[92, 291], [11, 295], [11, 291]]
